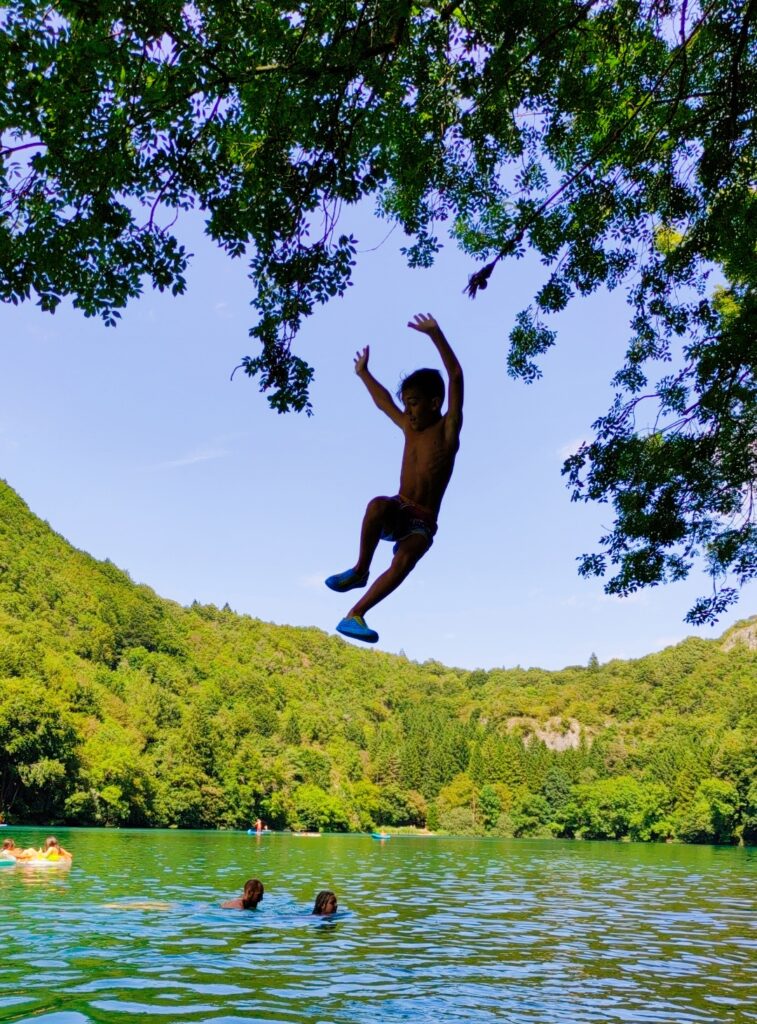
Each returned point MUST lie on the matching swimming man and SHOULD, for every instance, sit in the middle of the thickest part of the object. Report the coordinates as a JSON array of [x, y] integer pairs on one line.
[[431, 443], [252, 894]]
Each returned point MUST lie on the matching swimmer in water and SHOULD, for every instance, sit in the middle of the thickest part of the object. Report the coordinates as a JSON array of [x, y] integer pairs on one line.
[[52, 850], [325, 903], [252, 894]]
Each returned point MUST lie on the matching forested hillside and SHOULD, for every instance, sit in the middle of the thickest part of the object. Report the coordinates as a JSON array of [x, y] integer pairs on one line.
[[120, 708]]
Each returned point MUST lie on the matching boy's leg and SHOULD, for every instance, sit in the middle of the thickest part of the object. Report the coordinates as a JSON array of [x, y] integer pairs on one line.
[[410, 550], [379, 514]]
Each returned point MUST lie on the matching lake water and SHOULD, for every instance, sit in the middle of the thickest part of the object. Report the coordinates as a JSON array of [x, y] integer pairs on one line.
[[442, 930]]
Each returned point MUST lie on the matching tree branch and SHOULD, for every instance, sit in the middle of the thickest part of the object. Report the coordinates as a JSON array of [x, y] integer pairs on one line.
[[8, 150], [734, 75], [479, 280]]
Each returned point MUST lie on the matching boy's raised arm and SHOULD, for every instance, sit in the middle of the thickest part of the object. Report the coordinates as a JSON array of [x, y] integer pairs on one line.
[[426, 324], [377, 391]]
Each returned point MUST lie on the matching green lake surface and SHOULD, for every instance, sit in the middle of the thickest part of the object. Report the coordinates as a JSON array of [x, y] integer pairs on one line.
[[429, 929]]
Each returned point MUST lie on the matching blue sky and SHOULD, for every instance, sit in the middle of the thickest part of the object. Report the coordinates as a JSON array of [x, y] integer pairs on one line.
[[135, 446]]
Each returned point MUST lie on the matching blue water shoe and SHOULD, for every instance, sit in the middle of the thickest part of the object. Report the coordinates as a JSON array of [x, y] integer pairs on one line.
[[347, 580], [356, 628]]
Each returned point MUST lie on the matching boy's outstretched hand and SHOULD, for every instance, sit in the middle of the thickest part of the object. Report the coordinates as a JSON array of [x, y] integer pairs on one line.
[[424, 323], [361, 360]]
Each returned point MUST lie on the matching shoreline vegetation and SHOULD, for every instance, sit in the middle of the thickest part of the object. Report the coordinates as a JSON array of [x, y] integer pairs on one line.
[[119, 708], [408, 832]]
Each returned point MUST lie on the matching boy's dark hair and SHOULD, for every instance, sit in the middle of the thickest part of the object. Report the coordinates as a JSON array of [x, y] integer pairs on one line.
[[430, 383], [252, 894]]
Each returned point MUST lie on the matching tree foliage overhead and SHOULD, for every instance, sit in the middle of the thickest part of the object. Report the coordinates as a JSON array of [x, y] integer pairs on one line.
[[615, 138]]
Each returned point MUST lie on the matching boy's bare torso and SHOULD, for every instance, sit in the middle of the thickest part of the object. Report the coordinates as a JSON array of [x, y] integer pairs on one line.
[[431, 444], [427, 464]]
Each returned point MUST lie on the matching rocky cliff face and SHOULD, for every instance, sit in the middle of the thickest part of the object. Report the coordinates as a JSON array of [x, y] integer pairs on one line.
[[556, 733], [742, 633]]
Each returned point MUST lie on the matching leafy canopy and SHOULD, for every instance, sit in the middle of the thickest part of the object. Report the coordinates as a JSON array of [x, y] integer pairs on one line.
[[613, 137]]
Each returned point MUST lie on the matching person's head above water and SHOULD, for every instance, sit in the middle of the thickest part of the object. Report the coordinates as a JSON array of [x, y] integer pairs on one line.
[[252, 893], [51, 843], [422, 394], [325, 903], [8, 844]]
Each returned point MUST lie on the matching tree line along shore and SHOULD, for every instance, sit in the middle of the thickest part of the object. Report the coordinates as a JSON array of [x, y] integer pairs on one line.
[[120, 708]]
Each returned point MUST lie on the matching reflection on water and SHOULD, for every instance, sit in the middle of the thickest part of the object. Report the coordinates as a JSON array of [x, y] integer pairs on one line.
[[437, 930]]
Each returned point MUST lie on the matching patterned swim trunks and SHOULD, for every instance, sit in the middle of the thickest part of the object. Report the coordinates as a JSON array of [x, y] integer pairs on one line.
[[406, 518]]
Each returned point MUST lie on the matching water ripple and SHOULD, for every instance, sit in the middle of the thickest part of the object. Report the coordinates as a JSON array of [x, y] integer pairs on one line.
[[437, 931]]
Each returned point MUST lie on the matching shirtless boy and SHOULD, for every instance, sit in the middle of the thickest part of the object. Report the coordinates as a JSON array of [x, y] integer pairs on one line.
[[252, 894], [431, 444]]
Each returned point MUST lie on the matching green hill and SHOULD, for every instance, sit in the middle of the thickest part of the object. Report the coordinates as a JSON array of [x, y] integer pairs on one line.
[[119, 707]]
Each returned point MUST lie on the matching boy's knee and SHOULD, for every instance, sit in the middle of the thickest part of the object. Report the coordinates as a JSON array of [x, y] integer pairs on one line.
[[377, 508], [410, 552]]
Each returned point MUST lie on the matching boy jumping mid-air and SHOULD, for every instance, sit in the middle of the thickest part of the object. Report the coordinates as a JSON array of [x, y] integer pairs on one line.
[[431, 444]]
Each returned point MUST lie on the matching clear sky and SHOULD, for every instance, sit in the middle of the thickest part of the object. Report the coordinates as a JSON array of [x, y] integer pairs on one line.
[[135, 446]]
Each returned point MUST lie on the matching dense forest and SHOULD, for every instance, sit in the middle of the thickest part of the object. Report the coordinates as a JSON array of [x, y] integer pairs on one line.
[[120, 708]]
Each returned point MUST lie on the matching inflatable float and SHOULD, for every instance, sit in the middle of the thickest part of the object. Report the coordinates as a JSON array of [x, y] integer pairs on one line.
[[44, 862], [49, 860]]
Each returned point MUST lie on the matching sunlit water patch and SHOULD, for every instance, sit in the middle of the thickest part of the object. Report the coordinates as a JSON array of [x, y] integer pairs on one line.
[[436, 930]]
